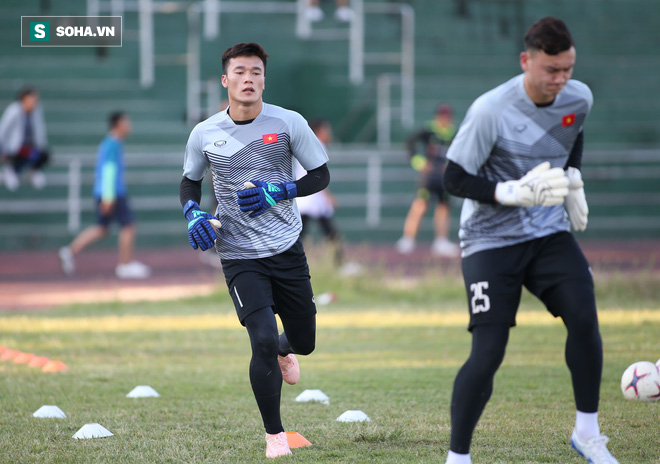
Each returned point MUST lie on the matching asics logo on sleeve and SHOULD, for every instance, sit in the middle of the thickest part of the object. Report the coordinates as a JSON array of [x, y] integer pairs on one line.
[[220, 143]]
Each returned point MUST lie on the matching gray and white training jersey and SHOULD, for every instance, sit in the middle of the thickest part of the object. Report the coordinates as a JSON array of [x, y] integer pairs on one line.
[[262, 150], [503, 136]]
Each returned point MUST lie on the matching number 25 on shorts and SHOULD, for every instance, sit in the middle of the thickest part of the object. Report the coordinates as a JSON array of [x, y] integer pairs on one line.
[[480, 302]]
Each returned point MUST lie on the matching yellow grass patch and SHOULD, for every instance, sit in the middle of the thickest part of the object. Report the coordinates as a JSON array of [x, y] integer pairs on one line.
[[340, 320]]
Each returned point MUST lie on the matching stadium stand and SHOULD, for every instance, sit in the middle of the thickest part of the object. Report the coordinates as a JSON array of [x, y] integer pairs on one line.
[[462, 48]]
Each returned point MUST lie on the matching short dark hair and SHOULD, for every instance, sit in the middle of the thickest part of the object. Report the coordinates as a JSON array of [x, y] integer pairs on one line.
[[443, 109], [115, 117], [25, 91], [317, 123], [244, 49], [550, 35]]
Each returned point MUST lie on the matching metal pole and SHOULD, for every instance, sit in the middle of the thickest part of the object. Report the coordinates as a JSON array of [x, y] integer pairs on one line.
[[117, 8], [373, 190], [75, 168], [146, 43], [193, 112], [93, 8], [356, 43], [211, 18], [407, 66], [383, 110], [303, 24], [213, 96]]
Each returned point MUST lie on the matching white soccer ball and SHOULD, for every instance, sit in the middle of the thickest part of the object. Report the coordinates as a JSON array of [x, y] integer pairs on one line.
[[641, 381]]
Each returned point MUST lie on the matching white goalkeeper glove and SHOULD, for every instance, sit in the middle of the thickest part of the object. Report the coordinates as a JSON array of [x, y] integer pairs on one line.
[[541, 186], [576, 201]]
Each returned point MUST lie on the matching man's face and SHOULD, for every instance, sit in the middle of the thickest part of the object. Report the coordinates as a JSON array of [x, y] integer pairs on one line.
[[30, 101], [245, 81], [324, 134], [546, 75], [443, 119], [123, 127]]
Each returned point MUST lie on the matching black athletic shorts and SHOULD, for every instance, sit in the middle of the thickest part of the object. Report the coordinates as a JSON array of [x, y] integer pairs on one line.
[[121, 212], [327, 226], [280, 281], [432, 185], [494, 278]]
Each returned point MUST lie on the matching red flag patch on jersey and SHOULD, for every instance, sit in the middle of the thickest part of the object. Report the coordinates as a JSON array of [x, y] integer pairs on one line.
[[269, 138], [568, 120]]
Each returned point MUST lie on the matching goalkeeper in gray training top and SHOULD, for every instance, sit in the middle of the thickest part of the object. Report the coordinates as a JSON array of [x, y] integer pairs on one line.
[[249, 148], [516, 159]]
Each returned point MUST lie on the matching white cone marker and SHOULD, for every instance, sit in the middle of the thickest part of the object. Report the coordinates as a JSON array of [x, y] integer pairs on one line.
[[353, 416], [311, 396], [143, 391], [49, 411], [93, 430]]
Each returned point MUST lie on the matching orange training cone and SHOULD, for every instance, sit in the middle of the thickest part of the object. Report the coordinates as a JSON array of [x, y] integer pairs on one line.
[[296, 440], [23, 358], [38, 361], [54, 366], [8, 354]]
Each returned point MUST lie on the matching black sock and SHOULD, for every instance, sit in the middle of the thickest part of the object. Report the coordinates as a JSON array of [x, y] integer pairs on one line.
[[269, 407], [265, 373], [584, 357], [575, 302], [584, 347], [474, 383]]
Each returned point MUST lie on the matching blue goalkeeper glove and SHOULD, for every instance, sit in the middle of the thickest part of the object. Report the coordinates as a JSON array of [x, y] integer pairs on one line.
[[258, 196], [201, 232]]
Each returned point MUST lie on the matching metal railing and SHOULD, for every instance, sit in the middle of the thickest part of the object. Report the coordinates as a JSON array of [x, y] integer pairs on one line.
[[212, 10], [373, 188], [75, 173]]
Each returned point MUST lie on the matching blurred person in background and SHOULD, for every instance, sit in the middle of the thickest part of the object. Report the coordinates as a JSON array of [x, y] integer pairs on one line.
[[343, 13], [320, 206], [427, 150], [111, 202], [23, 141]]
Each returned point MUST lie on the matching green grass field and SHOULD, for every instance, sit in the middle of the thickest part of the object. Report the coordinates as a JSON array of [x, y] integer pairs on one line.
[[388, 348]]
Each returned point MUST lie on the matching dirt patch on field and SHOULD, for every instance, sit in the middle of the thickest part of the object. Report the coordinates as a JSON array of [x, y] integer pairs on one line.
[[34, 280], [31, 280]]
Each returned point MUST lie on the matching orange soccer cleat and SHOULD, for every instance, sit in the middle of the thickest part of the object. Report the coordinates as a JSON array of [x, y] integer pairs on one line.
[[277, 445], [290, 368]]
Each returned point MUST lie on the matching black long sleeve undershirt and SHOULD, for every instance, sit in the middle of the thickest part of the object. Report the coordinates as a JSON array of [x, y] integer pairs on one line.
[[460, 183], [575, 158], [315, 181], [190, 190]]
